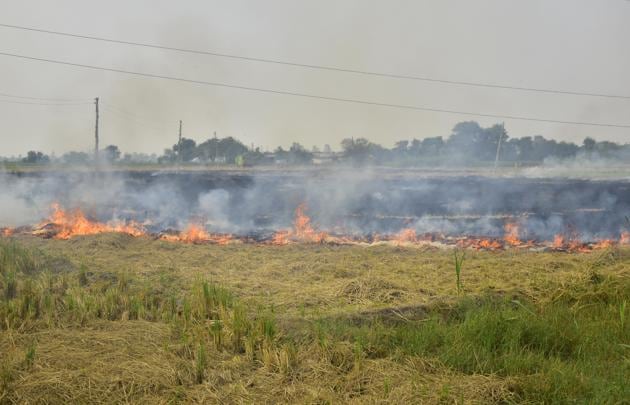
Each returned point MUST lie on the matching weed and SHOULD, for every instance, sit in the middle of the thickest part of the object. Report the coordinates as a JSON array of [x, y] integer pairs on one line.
[[622, 315], [83, 280], [10, 286], [201, 362], [459, 260], [29, 356]]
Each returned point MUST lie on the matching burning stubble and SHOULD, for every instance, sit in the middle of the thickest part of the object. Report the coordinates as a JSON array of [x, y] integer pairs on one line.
[[321, 207]]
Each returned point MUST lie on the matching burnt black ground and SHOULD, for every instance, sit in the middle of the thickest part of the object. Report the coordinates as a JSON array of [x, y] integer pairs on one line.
[[344, 201]]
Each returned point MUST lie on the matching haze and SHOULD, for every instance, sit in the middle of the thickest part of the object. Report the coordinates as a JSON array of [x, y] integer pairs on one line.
[[567, 45]]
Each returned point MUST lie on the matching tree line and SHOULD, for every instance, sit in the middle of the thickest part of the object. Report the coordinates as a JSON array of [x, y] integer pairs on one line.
[[468, 143]]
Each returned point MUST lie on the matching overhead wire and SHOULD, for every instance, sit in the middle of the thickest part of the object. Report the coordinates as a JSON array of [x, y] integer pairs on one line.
[[43, 104], [314, 96], [324, 67], [61, 100]]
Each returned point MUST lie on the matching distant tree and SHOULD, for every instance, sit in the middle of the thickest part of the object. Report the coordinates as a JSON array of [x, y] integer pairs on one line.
[[361, 151], [139, 158], [111, 153], [415, 147], [401, 146], [472, 142], [432, 146], [589, 145], [253, 158], [356, 150], [35, 157], [169, 156], [564, 150], [188, 150], [524, 148], [230, 148], [299, 155], [221, 149], [609, 149]]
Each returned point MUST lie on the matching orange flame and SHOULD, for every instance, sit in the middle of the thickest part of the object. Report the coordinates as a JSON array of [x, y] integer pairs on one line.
[[66, 224], [76, 223], [302, 231], [488, 244], [558, 241], [281, 237], [194, 233], [406, 235], [511, 234], [603, 244]]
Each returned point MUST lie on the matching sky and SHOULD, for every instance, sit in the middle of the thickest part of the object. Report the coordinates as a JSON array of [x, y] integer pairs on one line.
[[574, 45]]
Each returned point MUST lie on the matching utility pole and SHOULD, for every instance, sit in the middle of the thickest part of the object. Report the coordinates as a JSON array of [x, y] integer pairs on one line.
[[96, 132], [179, 144], [496, 159], [216, 148]]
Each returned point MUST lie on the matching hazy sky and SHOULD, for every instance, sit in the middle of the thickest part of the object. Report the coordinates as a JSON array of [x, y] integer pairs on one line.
[[580, 45]]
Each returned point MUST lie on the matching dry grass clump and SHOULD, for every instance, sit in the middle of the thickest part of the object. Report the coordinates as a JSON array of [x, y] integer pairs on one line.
[[371, 289], [107, 362]]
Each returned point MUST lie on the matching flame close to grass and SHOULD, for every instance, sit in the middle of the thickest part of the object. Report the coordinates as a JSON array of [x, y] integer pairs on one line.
[[511, 236], [407, 235], [195, 233], [65, 224], [75, 223], [303, 230]]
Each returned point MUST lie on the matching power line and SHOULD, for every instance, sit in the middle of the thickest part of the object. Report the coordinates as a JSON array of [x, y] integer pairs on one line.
[[45, 104], [130, 115], [125, 118], [313, 96], [323, 67], [42, 99]]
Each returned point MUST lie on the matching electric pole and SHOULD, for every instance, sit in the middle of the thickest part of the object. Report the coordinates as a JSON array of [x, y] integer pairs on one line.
[[179, 143], [96, 132], [216, 148], [496, 159]]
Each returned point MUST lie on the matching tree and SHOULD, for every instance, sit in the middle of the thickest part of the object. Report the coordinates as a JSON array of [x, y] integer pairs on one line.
[[299, 155], [221, 149], [188, 150], [589, 145], [524, 148], [35, 157], [432, 146], [111, 153], [357, 151], [360, 151]]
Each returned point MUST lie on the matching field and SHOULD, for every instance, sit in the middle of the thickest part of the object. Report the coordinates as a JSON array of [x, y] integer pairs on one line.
[[112, 318]]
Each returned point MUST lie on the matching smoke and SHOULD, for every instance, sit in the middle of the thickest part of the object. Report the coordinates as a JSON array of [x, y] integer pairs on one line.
[[345, 202], [588, 166]]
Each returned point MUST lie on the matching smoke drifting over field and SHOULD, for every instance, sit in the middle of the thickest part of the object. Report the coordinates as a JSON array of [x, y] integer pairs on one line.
[[358, 204]]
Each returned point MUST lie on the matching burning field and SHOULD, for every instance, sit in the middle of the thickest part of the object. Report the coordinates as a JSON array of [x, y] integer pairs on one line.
[[466, 212], [313, 288], [63, 224]]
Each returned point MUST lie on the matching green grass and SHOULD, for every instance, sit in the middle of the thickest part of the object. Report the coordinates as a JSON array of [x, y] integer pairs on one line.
[[560, 352]]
